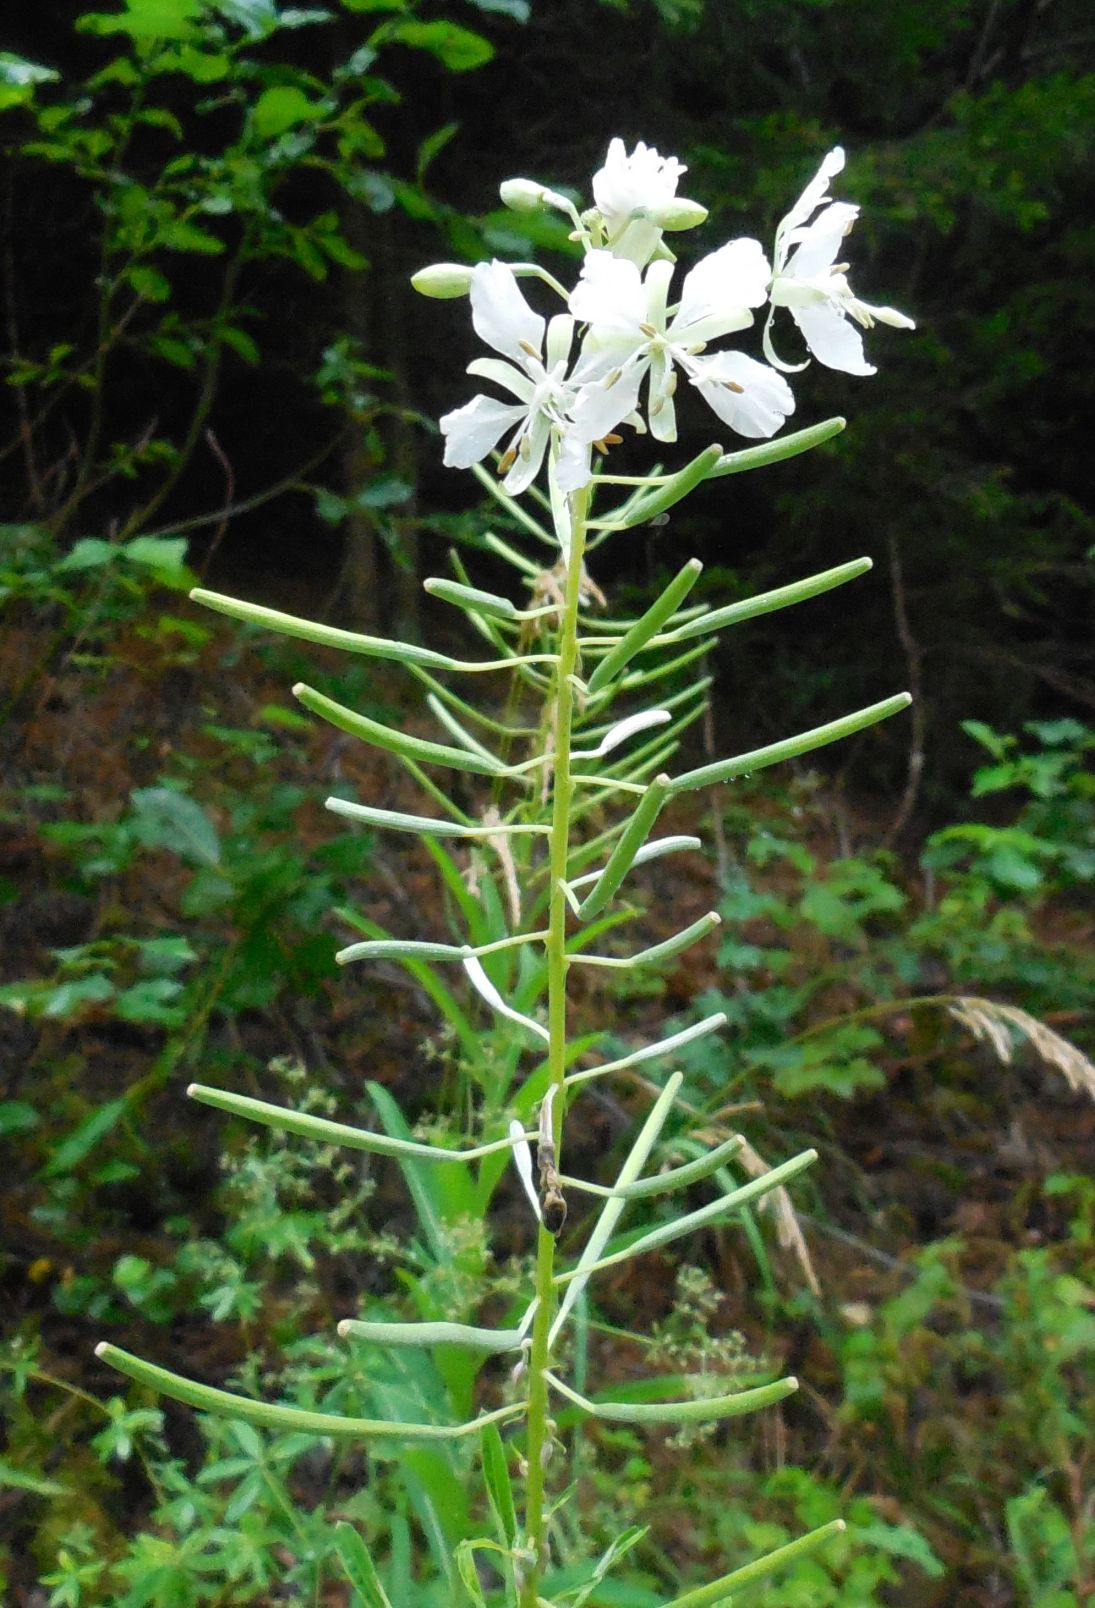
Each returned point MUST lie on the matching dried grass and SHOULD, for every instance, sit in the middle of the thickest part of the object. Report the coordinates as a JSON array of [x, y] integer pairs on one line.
[[788, 1230], [996, 1024]]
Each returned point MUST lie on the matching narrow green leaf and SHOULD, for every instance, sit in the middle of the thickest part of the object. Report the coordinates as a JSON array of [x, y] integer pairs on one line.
[[83, 1138], [428, 979], [468, 1570], [781, 597], [511, 555], [326, 1132], [401, 949], [649, 851], [724, 770], [445, 717], [691, 1220], [650, 1052], [393, 741], [421, 948], [269, 1415], [657, 952], [428, 825], [421, 1180], [665, 1183], [359, 1566], [352, 641], [470, 598], [21, 1479], [497, 1480], [628, 845], [610, 1213], [433, 1334], [674, 489], [646, 626], [609, 1558], [696, 1410], [789, 446], [718, 1591]]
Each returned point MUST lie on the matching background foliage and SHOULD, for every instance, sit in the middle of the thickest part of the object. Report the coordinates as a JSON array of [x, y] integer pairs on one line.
[[215, 368]]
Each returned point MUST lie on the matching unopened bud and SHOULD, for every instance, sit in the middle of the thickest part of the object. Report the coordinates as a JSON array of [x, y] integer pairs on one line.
[[443, 280], [528, 195], [680, 213], [522, 195]]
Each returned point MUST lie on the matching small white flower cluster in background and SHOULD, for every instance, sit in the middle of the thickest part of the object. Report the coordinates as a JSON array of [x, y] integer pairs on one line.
[[568, 398]]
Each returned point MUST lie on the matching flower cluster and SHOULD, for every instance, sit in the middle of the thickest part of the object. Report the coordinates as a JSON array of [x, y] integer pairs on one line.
[[633, 343]]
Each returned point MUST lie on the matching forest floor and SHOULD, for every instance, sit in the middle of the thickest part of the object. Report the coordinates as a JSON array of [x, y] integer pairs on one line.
[[938, 1153]]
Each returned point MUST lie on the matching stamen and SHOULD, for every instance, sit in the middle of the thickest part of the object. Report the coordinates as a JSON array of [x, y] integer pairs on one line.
[[732, 385], [527, 346], [610, 379], [507, 460], [840, 267], [671, 384], [648, 329]]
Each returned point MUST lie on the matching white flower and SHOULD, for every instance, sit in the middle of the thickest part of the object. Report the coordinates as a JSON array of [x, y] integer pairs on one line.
[[813, 286], [535, 374], [632, 335], [748, 396], [636, 198]]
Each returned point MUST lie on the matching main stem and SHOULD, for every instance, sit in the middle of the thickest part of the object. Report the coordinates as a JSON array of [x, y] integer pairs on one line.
[[539, 1437]]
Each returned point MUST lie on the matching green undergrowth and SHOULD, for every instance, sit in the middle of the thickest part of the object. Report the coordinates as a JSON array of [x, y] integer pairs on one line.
[[952, 1365]]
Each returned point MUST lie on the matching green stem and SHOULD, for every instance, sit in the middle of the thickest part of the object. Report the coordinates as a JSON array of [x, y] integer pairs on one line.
[[562, 706], [866, 1013]]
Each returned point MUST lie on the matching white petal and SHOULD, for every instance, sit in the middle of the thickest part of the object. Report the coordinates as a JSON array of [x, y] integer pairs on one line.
[[811, 198], [833, 340], [504, 374], [635, 183], [572, 464], [638, 242], [560, 333], [501, 315], [530, 455], [764, 400], [656, 291], [599, 407], [609, 294], [486, 990], [661, 413], [819, 244], [719, 289], [471, 431]]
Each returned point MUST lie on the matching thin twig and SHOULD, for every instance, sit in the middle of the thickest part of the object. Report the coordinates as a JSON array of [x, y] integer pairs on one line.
[[913, 661]]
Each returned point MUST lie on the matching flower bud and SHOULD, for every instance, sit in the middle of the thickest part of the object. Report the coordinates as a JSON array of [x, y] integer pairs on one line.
[[522, 195], [680, 213], [443, 280]]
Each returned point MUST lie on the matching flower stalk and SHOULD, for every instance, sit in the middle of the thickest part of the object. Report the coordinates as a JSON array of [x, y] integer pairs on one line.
[[575, 380]]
